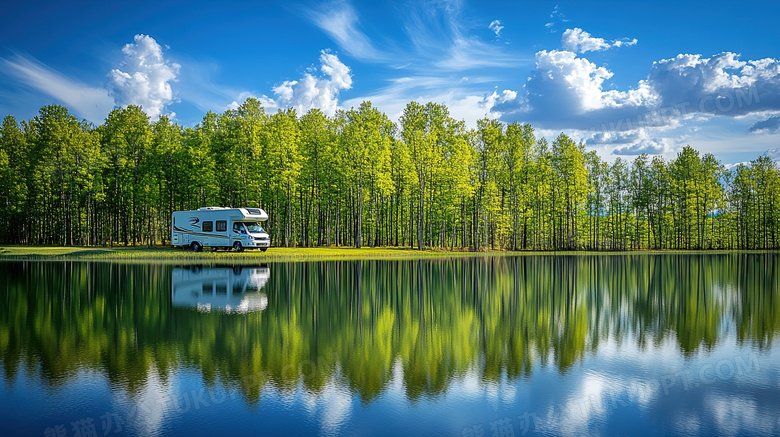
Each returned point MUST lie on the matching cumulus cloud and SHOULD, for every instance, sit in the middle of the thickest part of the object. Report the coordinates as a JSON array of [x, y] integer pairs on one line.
[[630, 143], [652, 146], [611, 138], [769, 126], [578, 41], [719, 85], [316, 92], [92, 103], [569, 91], [311, 91], [496, 26], [144, 77], [490, 101], [773, 154]]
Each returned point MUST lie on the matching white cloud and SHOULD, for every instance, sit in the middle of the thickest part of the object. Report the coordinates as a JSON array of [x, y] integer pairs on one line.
[[339, 20], [580, 78], [566, 87], [496, 98], [773, 154], [91, 103], [465, 53], [441, 40], [769, 126], [316, 92], [557, 17], [719, 85], [631, 143], [496, 26], [653, 146], [265, 101], [144, 77], [709, 74], [579, 41], [310, 91], [611, 138], [566, 91]]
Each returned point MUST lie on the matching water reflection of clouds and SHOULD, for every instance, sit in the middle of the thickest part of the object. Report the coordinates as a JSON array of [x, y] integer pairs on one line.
[[742, 415], [714, 388], [592, 400], [333, 405], [719, 391], [147, 410], [500, 392], [687, 423]]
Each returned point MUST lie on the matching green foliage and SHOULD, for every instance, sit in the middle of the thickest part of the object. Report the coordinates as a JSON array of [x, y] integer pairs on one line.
[[358, 179]]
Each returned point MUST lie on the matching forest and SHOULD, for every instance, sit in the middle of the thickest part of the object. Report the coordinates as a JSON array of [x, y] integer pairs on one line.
[[359, 179]]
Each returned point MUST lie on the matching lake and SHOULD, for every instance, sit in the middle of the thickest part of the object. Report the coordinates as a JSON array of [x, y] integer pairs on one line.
[[633, 344]]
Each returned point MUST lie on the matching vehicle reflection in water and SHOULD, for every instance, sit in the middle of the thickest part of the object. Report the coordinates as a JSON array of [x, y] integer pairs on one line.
[[226, 289]]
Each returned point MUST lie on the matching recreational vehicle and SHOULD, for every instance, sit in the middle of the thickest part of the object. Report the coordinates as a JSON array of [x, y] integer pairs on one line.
[[220, 228]]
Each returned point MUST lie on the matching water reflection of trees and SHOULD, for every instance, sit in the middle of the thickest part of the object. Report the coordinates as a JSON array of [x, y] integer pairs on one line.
[[437, 319]]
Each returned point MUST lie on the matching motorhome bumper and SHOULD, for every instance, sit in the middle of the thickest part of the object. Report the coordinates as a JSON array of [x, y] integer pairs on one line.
[[259, 243]]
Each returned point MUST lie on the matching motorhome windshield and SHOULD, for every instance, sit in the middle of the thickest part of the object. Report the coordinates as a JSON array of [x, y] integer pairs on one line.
[[253, 228]]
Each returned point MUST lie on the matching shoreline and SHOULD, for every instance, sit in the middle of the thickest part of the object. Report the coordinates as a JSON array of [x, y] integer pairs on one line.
[[280, 254]]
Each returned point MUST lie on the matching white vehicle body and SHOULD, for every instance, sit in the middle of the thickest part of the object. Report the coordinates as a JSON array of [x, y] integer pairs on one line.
[[213, 226], [223, 289]]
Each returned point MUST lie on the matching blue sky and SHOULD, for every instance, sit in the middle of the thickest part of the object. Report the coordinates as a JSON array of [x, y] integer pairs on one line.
[[624, 77]]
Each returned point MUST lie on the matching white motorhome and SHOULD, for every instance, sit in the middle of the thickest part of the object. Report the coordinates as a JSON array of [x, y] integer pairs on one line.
[[220, 228]]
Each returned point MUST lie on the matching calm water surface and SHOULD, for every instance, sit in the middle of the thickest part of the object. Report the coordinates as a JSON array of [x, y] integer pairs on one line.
[[529, 345]]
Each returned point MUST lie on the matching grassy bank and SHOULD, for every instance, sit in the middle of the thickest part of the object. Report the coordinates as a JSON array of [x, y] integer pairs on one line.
[[164, 254]]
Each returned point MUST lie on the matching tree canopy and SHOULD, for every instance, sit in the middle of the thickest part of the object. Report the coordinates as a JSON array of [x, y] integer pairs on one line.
[[358, 179]]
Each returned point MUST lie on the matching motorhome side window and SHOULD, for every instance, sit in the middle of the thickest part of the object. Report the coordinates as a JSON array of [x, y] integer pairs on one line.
[[208, 226], [238, 227], [221, 225]]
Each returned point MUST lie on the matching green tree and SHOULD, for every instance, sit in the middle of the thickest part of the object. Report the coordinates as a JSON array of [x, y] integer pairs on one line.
[[125, 138], [283, 170], [14, 170]]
